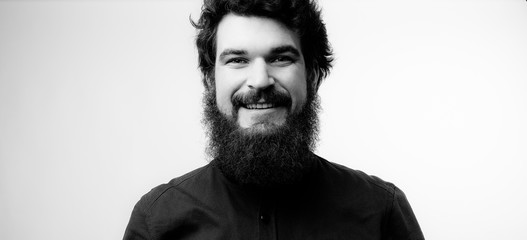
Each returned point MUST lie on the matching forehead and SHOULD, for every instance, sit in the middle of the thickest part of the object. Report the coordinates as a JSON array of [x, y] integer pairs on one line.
[[253, 34]]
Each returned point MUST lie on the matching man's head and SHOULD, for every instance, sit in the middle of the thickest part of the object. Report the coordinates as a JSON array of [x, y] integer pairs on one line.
[[262, 62], [301, 16]]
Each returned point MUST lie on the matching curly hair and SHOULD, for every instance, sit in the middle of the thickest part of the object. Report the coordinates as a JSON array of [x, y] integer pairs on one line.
[[301, 16]]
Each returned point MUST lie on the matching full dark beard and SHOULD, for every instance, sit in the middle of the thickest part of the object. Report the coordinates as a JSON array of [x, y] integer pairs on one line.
[[280, 155]]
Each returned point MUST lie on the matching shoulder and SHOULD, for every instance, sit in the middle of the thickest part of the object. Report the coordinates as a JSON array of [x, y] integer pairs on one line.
[[178, 186], [351, 181], [356, 179], [371, 192]]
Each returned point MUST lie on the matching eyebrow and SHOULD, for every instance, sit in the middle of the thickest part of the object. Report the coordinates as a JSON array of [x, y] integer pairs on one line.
[[285, 49], [230, 51], [274, 51]]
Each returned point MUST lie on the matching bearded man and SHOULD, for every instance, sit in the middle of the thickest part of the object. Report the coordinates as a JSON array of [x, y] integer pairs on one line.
[[262, 63]]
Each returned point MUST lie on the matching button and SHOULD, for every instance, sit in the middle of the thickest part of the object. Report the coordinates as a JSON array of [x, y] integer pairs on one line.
[[264, 218]]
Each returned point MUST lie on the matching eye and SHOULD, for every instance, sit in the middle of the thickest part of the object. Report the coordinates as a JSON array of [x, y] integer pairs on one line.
[[282, 60], [236, 61]]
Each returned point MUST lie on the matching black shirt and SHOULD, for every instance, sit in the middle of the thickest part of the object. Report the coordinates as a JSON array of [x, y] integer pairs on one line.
[[334, 202]]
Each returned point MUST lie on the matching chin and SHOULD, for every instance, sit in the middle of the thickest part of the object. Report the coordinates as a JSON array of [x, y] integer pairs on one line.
[[265, 128]]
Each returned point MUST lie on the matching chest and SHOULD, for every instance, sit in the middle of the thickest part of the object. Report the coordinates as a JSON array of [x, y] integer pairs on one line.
[[298, 218]]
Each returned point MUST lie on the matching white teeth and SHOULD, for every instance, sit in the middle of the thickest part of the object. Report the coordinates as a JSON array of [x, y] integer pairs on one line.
[[260, 106]]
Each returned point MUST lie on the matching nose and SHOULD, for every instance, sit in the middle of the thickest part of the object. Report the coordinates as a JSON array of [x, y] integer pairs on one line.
[[259, 77]]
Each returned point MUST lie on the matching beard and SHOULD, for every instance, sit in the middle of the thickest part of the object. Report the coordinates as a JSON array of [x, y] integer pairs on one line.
[[272, 157]]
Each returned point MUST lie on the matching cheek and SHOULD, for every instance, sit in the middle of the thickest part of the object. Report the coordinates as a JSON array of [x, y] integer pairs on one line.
[[225, 87], [296, 85]]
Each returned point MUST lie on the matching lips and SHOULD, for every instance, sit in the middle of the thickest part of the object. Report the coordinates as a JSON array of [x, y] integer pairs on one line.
[[261, 100], [260, 106]]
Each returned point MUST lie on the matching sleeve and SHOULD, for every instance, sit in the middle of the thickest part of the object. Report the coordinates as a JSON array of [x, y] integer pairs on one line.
[[402, 223], [137, 228]]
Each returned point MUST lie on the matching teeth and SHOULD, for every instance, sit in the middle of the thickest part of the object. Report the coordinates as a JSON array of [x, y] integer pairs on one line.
[[260, 106]]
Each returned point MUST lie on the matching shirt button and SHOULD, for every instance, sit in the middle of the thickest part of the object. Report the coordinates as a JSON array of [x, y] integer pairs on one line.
[[264, 218]]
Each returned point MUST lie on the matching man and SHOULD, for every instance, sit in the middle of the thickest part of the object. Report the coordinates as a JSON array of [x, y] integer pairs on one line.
[[262, 63]]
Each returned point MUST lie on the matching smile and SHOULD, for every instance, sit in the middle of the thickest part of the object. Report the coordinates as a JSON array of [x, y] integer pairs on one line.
[[260, 106]]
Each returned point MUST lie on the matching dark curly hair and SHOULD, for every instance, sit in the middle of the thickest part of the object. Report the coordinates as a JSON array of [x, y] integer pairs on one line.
[[301, 16]]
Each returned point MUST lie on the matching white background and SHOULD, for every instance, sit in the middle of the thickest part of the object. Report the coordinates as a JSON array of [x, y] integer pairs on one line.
[[101, 100]]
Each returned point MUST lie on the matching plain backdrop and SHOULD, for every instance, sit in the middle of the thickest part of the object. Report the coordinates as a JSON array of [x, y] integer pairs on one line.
[[100, 101]]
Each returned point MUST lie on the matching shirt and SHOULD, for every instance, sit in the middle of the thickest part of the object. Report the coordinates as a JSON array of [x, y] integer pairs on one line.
[[333, 202]]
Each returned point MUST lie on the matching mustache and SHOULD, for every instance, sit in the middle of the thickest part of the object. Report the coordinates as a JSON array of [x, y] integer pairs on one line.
[[271, 96]]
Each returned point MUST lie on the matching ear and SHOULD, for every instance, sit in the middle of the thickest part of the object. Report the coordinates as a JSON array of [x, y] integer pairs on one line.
[[315, 83], [208, 82]]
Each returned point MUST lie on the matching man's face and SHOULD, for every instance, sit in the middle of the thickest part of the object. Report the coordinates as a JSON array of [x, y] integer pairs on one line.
[[260, 74], [261, 115]]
